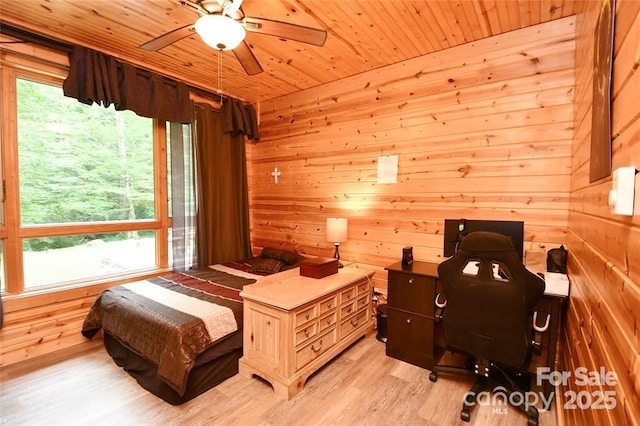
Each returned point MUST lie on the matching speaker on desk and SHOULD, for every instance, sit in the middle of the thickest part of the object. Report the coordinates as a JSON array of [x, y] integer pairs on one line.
[[407, 255]]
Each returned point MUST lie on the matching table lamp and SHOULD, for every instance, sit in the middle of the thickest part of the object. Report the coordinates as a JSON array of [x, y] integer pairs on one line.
[[337, 233]]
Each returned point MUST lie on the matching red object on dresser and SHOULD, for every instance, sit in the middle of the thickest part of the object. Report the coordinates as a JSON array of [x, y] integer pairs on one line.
[[318, 267]]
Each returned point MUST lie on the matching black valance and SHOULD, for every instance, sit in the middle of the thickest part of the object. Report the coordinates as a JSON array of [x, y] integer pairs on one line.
[[239, 119], [95, 77]]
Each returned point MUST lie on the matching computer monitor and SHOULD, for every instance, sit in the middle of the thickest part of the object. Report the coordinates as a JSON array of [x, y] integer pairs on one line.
[[456, 229]]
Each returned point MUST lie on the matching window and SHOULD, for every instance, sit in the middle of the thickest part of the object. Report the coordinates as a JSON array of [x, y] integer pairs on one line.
[[80, 163], [88, 189], [182, 207]]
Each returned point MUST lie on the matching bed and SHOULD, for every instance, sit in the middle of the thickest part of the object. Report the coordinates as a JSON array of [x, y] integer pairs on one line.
[[180, 334]]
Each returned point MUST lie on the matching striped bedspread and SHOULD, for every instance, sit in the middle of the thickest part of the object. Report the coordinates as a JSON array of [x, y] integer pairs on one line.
[[171, 319]]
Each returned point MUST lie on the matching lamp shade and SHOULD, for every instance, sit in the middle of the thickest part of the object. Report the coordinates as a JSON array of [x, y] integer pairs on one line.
[[337, 229], [220, 32]]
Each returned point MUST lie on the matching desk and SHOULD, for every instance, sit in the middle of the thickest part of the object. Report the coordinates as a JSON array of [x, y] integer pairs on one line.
[[413, 334]]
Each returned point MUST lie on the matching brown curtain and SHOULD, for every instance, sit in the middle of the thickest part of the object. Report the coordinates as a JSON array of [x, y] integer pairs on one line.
[[239, 119], [95, 77], [222, 224]]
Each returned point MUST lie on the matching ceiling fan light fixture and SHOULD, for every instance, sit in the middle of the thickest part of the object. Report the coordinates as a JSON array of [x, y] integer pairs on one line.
[[220, 32]]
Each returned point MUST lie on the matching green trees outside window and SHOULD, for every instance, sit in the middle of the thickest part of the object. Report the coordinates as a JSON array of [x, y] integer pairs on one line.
[[81, 166]]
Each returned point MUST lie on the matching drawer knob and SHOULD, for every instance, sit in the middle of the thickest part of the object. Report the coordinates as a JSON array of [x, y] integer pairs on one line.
[[410, 280], [354, 322], [329, 321], [306, 315], [313, 347], [329, 305], [306, 332], [408, 320], [349, 309]]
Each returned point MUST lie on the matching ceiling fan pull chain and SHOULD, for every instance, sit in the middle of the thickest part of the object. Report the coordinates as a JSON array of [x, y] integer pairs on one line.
[[220, 74]]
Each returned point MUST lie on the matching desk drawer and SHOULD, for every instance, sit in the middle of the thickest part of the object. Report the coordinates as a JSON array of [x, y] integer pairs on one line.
[[412, 293], [410, 338]]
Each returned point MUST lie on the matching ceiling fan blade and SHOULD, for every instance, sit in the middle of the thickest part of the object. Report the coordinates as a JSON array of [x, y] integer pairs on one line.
[[285, 30], [169, 38], [247, 59]]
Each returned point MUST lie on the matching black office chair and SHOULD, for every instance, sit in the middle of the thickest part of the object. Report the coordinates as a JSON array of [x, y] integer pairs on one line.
[[488, 316]]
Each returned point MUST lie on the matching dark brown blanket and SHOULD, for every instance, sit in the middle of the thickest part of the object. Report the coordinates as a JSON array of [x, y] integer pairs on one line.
[[171, 319]]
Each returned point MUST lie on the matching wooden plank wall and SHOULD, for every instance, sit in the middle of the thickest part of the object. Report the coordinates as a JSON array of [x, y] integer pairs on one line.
[[604, 309], [482, 131], [38, 325]]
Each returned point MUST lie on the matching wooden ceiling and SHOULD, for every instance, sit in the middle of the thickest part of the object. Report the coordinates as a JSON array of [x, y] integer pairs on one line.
[[362, 35]]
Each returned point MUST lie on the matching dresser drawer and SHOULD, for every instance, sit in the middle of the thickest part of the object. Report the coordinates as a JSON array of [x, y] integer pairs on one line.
[[328, 304], [315, 348], [327, 321], [363, 302], [307, 332], [352, 324], [348, 309], [306, 315], [413, 293], [348, 295], [363, 288]]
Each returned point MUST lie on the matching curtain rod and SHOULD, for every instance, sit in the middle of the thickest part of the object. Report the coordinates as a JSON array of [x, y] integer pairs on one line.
[[30, 37], [52, 43]]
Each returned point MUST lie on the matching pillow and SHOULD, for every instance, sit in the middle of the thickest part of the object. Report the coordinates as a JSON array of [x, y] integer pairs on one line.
[[285, 256], [266, 265]]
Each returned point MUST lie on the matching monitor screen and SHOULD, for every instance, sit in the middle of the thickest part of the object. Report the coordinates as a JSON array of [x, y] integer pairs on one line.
[[455, 229]]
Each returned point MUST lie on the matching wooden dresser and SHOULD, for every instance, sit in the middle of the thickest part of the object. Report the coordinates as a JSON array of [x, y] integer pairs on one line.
[[293, 325]]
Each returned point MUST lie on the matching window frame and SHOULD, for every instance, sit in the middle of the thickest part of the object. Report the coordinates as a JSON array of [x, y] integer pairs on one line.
[[12, 232]]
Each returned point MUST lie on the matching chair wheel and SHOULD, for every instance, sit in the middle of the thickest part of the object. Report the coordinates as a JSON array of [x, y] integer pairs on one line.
[[433, 376], [465, 415], [532, 416]]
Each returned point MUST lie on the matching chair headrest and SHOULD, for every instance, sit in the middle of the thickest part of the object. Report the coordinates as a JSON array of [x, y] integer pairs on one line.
[[483, 244]]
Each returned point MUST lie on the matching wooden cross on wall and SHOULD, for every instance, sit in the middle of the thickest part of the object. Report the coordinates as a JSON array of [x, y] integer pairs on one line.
[[275, 173]]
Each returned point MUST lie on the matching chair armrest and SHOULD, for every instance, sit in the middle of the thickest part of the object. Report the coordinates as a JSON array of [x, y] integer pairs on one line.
[[439, 307], [536, 327], [537, 332]]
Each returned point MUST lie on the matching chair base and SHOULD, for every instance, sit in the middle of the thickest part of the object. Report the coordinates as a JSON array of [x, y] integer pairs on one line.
[[483, 382]]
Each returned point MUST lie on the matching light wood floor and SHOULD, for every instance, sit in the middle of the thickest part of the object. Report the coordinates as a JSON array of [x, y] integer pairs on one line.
[[362, 386]]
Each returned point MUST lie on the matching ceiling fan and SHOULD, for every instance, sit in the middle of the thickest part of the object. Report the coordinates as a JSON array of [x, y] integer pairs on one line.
[[223, 26]]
